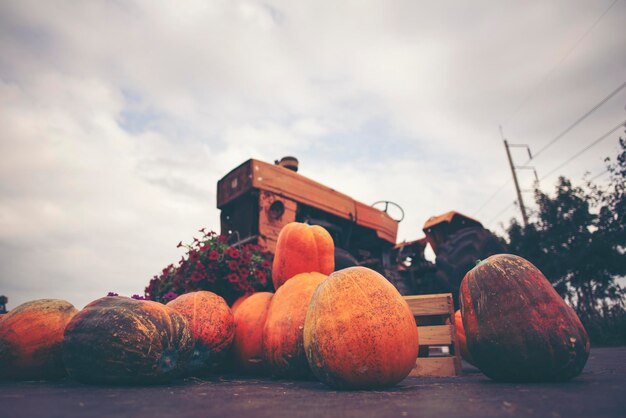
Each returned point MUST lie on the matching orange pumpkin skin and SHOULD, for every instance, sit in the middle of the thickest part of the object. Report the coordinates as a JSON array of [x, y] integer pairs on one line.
[[359, 332], [118, 340], [248, 342], [283, 343], [517, 326], [31, 339], [212, 327], [238, 302], [302, 248], [460, 337]]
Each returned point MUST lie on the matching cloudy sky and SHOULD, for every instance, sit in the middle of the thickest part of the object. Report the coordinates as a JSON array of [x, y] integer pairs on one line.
[[117, 118]]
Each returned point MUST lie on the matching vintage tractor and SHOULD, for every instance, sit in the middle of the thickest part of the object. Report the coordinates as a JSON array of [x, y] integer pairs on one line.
[[257, 199]]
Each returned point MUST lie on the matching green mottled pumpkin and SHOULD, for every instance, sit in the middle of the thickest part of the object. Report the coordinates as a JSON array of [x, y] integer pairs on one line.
[[117, 340], [517, 326]]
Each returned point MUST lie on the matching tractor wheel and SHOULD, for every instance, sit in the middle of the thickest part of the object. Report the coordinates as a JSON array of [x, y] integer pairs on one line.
[[459, 254], [398, 281], [343, 259]]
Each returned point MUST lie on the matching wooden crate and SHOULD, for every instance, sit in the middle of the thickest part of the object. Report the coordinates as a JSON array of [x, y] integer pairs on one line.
[[434, 315]]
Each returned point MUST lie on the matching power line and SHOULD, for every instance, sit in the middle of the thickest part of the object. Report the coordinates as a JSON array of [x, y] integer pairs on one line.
[[490, 198], [555, 139], [573, 157], [509, 206], [579, 153], [578, 121], [599, 175], [547, 76]]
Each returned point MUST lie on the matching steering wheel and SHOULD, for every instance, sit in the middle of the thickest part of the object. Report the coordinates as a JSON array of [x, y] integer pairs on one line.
[[387, 203]]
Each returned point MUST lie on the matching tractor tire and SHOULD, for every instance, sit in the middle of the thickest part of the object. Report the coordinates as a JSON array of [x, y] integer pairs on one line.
[[459, 254], [398, 281], [343, 259]]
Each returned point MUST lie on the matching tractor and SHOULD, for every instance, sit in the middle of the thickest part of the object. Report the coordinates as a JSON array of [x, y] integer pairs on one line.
[[257, 199]]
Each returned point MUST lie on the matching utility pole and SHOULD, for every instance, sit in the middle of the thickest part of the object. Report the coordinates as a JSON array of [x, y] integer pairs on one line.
[[517, 189]]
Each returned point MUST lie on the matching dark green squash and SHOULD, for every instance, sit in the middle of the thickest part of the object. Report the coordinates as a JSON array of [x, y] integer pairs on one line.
[[117, 340], [517, 326]]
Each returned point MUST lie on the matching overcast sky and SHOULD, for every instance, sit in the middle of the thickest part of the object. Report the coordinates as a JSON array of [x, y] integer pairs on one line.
[[117, 118]]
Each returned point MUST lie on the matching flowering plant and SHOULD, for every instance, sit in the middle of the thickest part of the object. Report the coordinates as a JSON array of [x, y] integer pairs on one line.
[[212, 264]]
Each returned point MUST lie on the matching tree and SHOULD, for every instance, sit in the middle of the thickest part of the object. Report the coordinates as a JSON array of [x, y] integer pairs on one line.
[[577, 238]]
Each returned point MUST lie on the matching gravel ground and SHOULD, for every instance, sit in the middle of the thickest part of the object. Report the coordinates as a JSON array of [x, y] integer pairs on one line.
[[600, 391]]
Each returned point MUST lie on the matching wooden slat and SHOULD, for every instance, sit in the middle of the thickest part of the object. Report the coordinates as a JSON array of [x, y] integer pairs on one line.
[[301, 189], [269, 228], [435, 335], [435, 367], [422, 305]]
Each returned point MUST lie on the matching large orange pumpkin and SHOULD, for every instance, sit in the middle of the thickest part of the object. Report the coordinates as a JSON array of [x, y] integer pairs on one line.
[[460, 337], [302, 248], [31, 339], [212, 327], [248, 342], [359, 332], [283, 344]]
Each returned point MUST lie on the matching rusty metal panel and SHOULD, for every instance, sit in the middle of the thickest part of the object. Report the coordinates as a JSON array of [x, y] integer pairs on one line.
[[255, 174], [386, 228], [447, 218], [234, 184], [294, 186]]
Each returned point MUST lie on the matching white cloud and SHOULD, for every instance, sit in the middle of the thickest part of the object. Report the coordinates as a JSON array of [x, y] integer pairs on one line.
[[119, 118]]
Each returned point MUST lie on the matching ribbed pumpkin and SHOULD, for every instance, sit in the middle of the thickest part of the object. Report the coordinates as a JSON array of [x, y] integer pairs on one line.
[[31, 338], [460, 337], [118, 340], [248, 342], [283, 344], [359, 332], [212, 327], [302, 248], [517, 326]]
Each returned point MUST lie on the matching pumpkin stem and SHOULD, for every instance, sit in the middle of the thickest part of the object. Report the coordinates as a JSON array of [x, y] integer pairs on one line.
[[168, 361]]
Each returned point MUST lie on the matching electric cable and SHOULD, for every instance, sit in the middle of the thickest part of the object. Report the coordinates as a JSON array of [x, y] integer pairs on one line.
[[579, 153]]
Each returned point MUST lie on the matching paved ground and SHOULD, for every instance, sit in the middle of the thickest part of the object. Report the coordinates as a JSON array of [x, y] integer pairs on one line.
[[600, 391]]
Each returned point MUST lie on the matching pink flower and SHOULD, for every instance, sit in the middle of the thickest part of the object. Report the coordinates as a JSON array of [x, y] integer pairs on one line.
[[234, 253], [262, 277], [233, 265], [170, 296], [214, 255], [233, 277]]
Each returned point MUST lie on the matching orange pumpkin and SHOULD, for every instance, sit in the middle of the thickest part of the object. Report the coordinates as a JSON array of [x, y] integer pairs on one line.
[[283, 345], [302, 248], [460, 337], [248, 342], [212, 327], [238, 302], [359, 332], [31, 339]]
